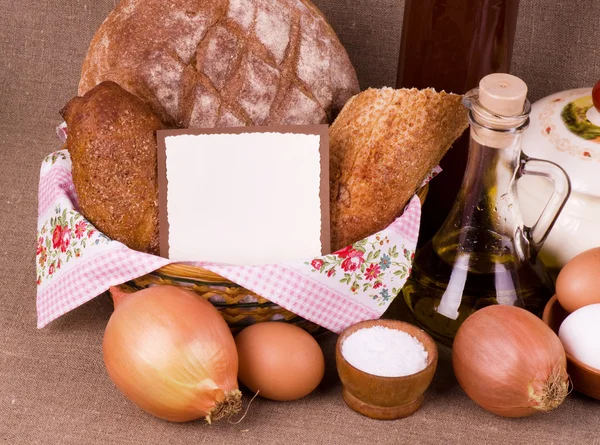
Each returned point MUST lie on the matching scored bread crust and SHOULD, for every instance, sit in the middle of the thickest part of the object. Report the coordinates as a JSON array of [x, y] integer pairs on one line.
[[383, 144], [219, 63]]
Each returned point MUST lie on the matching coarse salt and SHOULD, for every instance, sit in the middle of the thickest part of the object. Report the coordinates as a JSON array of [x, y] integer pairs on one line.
[[385, 352]]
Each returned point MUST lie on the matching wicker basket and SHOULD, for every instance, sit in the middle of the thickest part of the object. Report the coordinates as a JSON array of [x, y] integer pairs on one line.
[[239, 306]]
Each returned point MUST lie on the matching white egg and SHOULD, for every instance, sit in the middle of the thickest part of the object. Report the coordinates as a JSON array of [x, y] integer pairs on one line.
[[580, 335]]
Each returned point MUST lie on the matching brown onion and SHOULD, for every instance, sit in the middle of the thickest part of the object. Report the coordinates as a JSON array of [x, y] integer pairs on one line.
[[172, 354], [509, 362]]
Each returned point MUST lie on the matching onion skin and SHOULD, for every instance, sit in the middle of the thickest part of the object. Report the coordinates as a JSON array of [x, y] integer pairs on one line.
[[509, 362], [172, 354]]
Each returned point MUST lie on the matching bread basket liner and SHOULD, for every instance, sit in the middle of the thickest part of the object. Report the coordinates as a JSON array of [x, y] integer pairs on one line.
[[75, 262]]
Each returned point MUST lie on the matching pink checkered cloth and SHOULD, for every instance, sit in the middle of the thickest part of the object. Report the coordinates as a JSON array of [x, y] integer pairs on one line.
[[76, 263]]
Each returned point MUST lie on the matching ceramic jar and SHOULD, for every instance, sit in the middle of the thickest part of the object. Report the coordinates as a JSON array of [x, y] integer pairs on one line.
[[565, 129]]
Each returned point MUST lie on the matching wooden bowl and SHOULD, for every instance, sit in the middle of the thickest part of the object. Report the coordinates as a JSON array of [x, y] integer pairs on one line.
[[585, 378], [385, 398]]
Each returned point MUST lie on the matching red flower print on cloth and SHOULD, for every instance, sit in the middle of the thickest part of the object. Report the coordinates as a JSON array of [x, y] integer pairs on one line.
[[40, 245], [368, 268], [64, 236], [80, 229], [353, 258], [57, 237], [345, 252], [372, 272], [61, 237], [317, 264], [66, 239], [353, 261]]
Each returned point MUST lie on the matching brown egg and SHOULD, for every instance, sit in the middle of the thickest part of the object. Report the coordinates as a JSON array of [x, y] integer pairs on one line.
[[578, 283], [280, 360]]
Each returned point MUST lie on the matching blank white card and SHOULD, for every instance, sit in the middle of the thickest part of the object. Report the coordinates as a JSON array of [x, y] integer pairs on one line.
[[245, 199]]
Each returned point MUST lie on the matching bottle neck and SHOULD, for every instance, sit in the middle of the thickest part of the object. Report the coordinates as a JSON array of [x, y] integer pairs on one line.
[[485, 217], [494, 159], [488, 183]]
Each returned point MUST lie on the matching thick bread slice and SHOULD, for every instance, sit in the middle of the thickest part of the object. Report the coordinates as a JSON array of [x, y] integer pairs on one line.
[[383, 144], [112, 143]]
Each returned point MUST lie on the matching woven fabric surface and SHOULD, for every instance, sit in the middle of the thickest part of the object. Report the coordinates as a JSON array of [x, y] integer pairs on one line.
[[53, 387]]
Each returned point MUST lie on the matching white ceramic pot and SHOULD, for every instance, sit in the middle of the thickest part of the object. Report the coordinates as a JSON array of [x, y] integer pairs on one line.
[[565, 129]]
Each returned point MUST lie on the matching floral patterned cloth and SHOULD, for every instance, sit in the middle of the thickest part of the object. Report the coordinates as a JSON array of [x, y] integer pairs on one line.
[[75, 263], [362, 267]]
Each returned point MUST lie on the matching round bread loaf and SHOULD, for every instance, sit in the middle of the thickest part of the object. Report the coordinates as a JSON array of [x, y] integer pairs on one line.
[[220, 63]]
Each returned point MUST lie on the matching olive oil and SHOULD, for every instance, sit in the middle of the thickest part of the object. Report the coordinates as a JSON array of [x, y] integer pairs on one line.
[[484, 254], [503, 280]]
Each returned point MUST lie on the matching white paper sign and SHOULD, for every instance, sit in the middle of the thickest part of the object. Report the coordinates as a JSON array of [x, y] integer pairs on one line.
[[246, 199]]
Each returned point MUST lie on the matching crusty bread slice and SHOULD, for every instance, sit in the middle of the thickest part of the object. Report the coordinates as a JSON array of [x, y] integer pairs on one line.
[[112, 143], [382, 145]]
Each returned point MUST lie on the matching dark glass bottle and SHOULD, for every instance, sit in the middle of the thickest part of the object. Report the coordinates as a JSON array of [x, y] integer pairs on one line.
[[449, 45]]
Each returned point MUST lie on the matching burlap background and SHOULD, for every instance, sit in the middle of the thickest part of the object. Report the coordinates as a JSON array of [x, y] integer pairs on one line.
[[53, 388]]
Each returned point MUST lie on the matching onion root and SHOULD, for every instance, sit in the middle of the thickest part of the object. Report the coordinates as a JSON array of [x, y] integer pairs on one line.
[[553, 391], [229, 406]]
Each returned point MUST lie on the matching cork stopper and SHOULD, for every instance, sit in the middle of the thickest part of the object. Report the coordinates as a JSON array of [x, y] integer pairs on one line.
[[503, 94], [499, 110]]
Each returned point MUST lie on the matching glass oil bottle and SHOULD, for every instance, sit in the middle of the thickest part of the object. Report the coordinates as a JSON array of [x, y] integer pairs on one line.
[[484, 254]]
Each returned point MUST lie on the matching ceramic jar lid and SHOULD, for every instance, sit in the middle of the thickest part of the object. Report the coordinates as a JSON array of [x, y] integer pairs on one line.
[[565, 129]]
